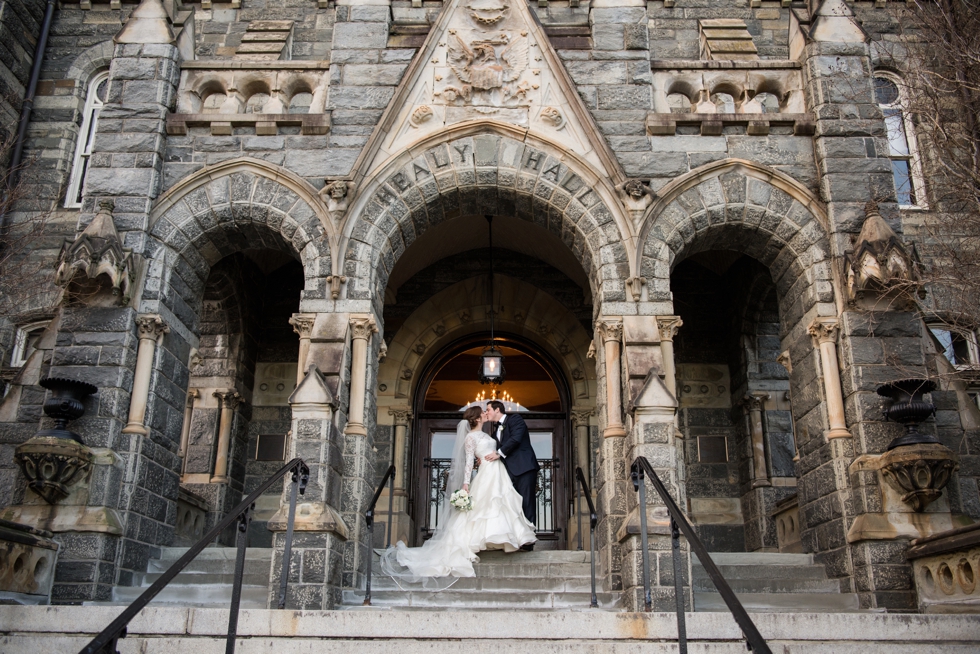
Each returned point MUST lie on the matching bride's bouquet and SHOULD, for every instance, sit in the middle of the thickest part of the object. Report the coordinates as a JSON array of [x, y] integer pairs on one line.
[[461, 500]]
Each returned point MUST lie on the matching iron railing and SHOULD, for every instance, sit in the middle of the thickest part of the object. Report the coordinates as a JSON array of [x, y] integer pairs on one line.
[[593, 520], [108, 638], [678, 523], [369, 522]]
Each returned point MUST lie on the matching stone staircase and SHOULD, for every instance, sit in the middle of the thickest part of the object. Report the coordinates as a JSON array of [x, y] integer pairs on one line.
[[207, 580], [518, 581], [771, 582]]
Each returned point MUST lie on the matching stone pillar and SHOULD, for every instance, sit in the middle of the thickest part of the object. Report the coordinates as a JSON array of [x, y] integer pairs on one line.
[[151, 327], [580, 426], [185, 430], [316, 573], [361, 329], [401, 527], [824, 333], [668, 329], [611, 333], [756, 403], [402, 417], [303, 325], [229, 400]]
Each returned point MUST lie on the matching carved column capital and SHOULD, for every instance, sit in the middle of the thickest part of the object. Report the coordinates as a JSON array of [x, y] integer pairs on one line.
[[755, 401], [150, 326], [824, 329], [785, 361], [402, 416], [303, 324], [229, 398], [362, 327], [580, 417], [611, 330], [192, 395], [668, 326]]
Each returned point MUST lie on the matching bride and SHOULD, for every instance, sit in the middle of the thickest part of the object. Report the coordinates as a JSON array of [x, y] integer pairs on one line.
[[496, 521]]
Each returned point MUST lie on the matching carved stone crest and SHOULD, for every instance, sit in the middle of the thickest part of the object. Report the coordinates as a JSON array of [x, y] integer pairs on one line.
[[420, 115], [553, 116], [488, 69], [488, 12]]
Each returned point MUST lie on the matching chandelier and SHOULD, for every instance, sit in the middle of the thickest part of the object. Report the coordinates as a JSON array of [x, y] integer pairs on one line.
[[491, 361]]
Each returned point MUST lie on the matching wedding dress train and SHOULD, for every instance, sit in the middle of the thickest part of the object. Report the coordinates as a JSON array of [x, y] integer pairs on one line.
[[496, 522]]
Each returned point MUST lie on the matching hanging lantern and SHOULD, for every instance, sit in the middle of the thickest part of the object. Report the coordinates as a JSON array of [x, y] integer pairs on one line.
[[491, 366], [491, 361]]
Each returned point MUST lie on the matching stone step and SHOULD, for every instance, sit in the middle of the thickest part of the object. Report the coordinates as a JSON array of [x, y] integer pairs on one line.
[[757, 558], [211, 595], [212, 566], [781, 602], [465, 600], [204, 578], [168, 630], [704, 584], [730, 572], [513, 584], [216, 553]]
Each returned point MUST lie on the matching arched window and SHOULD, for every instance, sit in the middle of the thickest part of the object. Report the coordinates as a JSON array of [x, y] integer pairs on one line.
[[94, 101], [958, 346], [902, 149]]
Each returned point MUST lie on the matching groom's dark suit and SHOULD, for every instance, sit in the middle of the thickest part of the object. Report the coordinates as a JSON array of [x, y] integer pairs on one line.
[[514, 444]]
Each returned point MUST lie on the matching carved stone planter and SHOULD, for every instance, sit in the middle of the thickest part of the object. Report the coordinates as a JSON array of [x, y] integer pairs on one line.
[[919, 472], [55, 459]]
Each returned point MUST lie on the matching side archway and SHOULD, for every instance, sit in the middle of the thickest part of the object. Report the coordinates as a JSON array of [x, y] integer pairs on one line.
[[230, 207], [745, 207], [479, 169]]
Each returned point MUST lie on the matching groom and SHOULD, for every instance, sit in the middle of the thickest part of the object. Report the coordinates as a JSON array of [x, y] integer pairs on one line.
[[514, 447]]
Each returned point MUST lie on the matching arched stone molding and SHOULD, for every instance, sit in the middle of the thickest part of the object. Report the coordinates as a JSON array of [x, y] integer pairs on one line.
[[225, 208], [742, 206], [461, 309], [482, 168], [91, 61]]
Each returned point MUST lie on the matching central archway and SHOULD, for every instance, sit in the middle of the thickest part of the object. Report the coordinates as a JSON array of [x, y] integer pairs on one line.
[[447, 380]]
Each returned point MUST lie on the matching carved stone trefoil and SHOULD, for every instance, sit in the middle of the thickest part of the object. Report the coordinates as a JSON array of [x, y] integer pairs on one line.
[[95, 268], [919, 472], [880, 269]]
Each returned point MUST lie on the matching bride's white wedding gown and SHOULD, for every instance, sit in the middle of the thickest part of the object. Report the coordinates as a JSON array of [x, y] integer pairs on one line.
[[496, 522]]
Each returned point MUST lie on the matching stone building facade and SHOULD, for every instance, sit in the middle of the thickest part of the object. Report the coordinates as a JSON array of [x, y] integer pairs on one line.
[[281, 219]]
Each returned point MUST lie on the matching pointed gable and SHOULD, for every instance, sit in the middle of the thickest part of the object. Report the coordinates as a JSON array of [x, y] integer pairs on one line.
[[488, 60], [312, 390]]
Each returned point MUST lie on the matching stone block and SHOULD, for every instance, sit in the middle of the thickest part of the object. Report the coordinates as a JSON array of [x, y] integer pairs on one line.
[[360, 35]]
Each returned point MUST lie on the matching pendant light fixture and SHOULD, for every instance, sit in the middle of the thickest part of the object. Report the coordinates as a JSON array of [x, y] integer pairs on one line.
[[491, 361]]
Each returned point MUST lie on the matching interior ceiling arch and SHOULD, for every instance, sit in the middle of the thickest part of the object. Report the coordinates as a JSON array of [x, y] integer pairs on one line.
[[471, 233]]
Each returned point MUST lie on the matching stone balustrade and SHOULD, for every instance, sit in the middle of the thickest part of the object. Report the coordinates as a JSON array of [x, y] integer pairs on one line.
[[265, 95], [755, 95], [192, 518], [945, 568], [786, 514], [27, 561]]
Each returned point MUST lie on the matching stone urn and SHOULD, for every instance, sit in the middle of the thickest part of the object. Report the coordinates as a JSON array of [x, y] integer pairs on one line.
[[55, 459], [916, 465]]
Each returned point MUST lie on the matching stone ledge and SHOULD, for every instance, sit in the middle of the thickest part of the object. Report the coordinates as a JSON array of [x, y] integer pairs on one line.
[[945, 542], [540, 626], [697, 64], [712, 124], [238, 64], [265, 124]]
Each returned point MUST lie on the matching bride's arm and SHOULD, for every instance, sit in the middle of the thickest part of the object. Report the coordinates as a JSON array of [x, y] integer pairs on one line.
[[469, 446]]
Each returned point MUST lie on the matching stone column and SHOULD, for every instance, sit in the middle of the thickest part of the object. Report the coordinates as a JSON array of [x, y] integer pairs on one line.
[[612, 333], [580, 425], [150, 327], [402, 417], [668, 329], [229, 400], [362, 327], [824, 333], [755, 402], [185, 430], [303, 325]]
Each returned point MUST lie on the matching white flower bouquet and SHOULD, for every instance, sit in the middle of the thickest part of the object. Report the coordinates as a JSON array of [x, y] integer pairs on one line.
[[461, 500]]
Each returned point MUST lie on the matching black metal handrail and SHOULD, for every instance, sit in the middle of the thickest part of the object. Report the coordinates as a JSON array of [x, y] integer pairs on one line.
[[593, 521], [108, 638], [369, 521], [679, 523]]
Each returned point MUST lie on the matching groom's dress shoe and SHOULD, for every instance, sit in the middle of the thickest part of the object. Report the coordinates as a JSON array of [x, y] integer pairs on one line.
[[529, 547]]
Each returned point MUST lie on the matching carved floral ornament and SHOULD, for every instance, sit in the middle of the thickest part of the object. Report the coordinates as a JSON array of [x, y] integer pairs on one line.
[[919, 472], [488, 12]]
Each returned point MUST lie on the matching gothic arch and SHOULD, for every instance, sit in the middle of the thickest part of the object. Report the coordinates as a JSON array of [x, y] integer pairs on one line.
[[223, 209], [486, 168], [741, 206], [461, 309]]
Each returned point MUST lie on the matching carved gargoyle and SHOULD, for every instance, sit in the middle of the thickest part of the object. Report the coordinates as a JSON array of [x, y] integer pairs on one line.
[[336, 195], [95, 269], [636, 195]]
